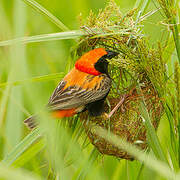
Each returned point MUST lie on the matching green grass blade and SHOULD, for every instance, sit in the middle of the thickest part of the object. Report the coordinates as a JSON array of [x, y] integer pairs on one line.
[[29, 153], [170, 9], [145, 6], [158, 166], [34, 79], [21, 147], [16, 174], [137, 3], [87, 167], [63, 35], [153, 140], [44, 37], [176, 37], [169, 115], [152, 137], [17, 60], [46, 13], [3, 103]]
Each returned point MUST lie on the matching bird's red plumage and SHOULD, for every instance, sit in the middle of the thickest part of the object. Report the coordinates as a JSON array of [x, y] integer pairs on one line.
[[86, 62], [64, 113]]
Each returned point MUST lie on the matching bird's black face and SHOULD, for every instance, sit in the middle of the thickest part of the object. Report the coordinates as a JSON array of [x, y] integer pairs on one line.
[[102, 63]]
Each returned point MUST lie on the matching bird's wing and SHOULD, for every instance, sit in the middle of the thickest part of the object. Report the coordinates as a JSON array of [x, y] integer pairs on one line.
[[88, 89]]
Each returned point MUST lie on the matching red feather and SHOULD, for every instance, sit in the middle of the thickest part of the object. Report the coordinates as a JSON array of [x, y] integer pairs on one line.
[[88, 60]]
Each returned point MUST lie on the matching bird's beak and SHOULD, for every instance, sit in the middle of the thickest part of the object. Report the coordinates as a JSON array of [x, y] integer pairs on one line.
[[111, 54]]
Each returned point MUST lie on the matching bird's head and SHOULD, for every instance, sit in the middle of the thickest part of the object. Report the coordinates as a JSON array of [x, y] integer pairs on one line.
[[95, 61]]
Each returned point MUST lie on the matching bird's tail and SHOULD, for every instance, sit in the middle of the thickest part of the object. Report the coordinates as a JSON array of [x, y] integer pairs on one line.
[[30, 122]]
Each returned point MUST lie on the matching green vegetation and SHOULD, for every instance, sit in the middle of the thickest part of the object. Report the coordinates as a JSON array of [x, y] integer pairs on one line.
[[39, 43]]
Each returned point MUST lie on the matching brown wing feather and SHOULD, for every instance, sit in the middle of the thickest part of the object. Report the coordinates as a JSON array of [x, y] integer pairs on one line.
[[78, 89]]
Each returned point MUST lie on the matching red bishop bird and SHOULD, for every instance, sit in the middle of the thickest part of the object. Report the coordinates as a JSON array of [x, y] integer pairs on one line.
[[85, 87]]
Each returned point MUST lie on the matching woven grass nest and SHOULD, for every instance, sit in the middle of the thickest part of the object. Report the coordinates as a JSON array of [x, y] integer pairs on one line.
[[137, 65], [126, 122]]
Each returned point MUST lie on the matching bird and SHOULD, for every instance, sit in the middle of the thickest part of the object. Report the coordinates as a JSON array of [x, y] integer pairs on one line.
[[85, 87]]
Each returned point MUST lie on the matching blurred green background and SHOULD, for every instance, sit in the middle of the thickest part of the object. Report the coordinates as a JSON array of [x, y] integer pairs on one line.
[[20, 62]]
